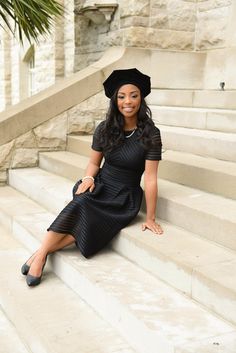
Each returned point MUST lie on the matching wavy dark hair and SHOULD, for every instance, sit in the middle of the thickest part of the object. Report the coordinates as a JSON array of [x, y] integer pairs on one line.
[[112, 131]]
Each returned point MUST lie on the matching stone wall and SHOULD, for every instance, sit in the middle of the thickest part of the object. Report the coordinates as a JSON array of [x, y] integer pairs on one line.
[[51, 136], [164, 24], [212, 23]]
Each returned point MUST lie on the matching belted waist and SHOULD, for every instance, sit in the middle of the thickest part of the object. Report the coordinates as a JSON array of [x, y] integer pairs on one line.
[[128, 177]]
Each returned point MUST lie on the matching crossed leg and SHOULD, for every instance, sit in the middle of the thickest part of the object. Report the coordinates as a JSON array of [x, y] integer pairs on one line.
[[52, 242]]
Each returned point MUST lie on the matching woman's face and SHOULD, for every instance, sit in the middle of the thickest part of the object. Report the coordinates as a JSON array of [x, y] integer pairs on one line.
[[129, 100]]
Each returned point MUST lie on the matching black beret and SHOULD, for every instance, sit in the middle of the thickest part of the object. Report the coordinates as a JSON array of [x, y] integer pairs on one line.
[[119, 78]]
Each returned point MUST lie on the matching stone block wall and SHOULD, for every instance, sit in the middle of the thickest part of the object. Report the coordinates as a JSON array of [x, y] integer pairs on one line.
[[164, 24], [213, 20], [52, 135], [160, 24]]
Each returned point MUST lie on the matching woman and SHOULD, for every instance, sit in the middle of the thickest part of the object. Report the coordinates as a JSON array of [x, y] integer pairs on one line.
[[107, 199]]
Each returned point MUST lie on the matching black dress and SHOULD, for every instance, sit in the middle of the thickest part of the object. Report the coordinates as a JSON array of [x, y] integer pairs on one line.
[[94, 218]]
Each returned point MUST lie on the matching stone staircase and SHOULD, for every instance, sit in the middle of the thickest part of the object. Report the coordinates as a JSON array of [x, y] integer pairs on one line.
[[53, 318], [144, 294]]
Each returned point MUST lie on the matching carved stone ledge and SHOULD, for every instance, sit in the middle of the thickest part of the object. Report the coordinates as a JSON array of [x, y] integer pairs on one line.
[[98, 12]]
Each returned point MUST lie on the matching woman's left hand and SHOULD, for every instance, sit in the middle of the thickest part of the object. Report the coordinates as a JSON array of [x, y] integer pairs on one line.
[[153, 226]]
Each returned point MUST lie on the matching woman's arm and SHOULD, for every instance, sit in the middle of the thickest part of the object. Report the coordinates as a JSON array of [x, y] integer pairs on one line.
[[151, 192], [91, 170], [94, 163]]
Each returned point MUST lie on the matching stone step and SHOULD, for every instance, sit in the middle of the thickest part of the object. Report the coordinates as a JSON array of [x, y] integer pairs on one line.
[[9, 337], [179, 253], [79, 144], [213, 144], [209, 215], [215, 99], [10, 340], [205, 143], [196, 118], [152, 316], [51, 318], [201, 269], [207, 174], [66, 164]]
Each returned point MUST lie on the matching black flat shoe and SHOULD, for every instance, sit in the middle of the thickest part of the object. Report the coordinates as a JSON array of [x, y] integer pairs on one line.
[[25, 268], [33, 281]]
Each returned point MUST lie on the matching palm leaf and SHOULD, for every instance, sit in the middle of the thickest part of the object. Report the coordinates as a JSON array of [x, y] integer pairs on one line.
[[30, 18]]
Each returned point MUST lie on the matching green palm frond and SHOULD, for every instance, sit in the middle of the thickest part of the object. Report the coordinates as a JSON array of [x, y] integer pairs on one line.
[[29, 17]]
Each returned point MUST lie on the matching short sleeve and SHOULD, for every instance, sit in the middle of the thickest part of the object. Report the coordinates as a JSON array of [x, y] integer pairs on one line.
[[96, 143], [154, 152]]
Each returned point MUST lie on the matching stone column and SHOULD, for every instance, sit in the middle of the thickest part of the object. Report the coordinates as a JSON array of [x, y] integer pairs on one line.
[[59, 46], [15, 71], [7, 40], [69, 37], [2, 88], [81, 28]]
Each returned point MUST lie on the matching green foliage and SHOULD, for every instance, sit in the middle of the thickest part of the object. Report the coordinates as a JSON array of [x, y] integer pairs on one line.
[[29, 17]]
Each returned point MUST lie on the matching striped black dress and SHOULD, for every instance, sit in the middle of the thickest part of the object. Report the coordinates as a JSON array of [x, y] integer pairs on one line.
[[94, 218]]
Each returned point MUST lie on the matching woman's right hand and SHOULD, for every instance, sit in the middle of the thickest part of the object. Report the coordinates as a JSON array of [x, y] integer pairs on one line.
[[87, 184]]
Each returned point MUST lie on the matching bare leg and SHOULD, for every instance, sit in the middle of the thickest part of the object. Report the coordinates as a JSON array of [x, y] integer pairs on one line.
[[52, 242]]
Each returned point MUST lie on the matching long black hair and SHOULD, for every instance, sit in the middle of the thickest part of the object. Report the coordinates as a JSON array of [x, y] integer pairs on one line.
[[112, 131]]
